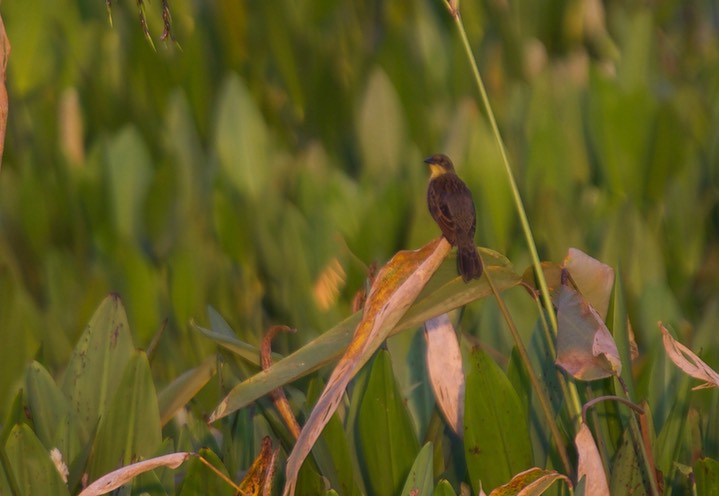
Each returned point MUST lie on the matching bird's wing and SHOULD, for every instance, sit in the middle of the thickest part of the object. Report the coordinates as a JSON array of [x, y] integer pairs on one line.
[[441, 211]]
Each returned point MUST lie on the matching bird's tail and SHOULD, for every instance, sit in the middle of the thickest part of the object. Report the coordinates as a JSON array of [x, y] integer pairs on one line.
[[469, 264]]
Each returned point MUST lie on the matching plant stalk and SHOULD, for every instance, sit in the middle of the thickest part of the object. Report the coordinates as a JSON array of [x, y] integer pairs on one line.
[[546, 298], [541, 396]]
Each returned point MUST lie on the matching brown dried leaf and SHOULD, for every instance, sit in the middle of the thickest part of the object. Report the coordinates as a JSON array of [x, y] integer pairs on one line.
[[444, 363], [590, 464], [686, 360], [123, 475], [585, 348]]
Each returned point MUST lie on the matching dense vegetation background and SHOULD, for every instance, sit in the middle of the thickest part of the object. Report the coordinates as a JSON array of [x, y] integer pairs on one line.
[[278, 146]]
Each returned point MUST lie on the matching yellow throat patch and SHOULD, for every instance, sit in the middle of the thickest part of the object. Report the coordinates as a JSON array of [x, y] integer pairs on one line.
[[436, 170]]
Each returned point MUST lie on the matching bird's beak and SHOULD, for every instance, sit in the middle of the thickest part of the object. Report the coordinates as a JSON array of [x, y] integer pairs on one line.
[[428, 160]]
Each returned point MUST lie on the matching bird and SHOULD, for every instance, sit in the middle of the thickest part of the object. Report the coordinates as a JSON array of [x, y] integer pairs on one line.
[[450, 203]]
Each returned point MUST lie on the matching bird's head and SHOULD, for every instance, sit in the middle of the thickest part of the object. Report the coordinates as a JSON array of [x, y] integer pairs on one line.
[[439, 164]]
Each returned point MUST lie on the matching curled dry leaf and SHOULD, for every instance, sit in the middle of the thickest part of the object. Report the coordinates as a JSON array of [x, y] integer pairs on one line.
[[590, 463], [123, 475], [585, 347], [688, 361], [444, 363]]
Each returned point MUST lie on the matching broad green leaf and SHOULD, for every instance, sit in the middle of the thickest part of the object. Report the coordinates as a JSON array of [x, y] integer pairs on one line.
[[128, 178], [98, 362], [496, 436], [443, 292], [55, 422], [381, 128], [410, 349], [706, 475], [332, 451], [620, 144], [386, 438], [131, 426], [180, 391], [223, 336], [393, 291], [33, 469], [240, 137], [420, 480], [585, 348], [444, 488], [200, 479], [626, 475]]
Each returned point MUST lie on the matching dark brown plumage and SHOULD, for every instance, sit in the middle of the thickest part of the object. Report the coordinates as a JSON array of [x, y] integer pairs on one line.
[[451, 206]]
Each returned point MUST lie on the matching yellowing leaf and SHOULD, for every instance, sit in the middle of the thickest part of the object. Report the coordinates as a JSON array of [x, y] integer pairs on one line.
[[328, 284], [590, 463], [444, 364], [593, 278], [531, 482], [393, 291], [688, 361], [585, 348], [258, 479]]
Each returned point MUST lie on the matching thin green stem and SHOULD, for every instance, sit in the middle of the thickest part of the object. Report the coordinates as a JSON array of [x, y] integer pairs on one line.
[[546, 298], [539, 391]]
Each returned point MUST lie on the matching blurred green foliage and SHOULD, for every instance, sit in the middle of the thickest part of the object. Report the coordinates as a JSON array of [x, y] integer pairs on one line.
[[232, 169]]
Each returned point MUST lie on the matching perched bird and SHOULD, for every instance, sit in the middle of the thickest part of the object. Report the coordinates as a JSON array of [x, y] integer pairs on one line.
[[450, 203]]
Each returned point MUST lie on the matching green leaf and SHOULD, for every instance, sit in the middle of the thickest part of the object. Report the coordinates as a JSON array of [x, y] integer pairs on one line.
[[56, 424], [222, 334], [380, 127], [706, 475], [626, 475], [130, 429], [241, 139], [618, 323], [496, 436], [128, 179], [420, 479], [98, 361], [180, 391], [332, 451], [443, 292], [444, 488], [386, 437], [34, 471], [202, 480]]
